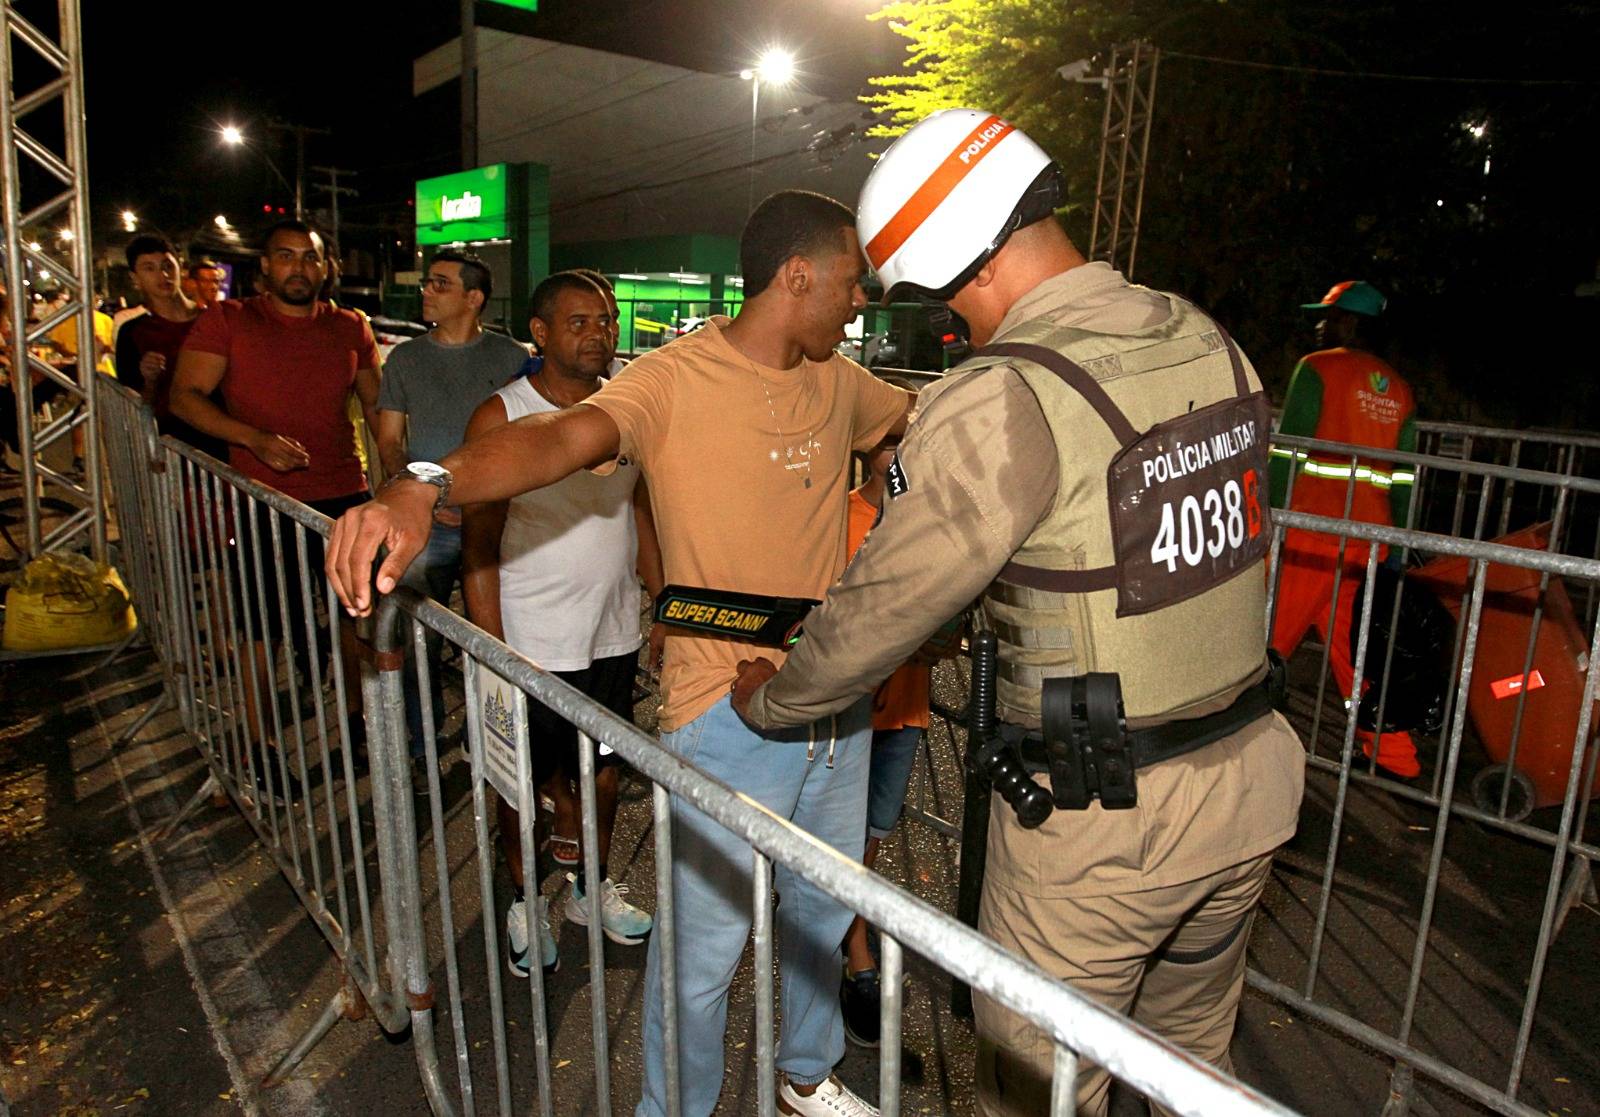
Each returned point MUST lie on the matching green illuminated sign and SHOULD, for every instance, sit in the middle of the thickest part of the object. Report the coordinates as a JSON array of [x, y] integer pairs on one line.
[[467, 206], [525, 5]]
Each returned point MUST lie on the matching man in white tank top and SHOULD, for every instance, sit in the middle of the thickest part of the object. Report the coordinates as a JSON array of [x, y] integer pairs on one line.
[[555, 573]]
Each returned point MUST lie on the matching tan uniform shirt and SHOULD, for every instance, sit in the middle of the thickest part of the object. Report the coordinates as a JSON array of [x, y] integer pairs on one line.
[[979, 472]]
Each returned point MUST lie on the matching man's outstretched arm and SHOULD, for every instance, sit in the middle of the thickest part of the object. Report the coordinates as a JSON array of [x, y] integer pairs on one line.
[[530, 453]]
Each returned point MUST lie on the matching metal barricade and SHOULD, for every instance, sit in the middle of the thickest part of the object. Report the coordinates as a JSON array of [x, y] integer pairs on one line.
[[222, 565], [433, 922], [216, 562], [1564, 453], [1571, 851]]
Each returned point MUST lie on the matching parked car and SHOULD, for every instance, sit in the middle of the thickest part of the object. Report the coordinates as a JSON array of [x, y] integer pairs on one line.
[[389, 332], [872, 350]]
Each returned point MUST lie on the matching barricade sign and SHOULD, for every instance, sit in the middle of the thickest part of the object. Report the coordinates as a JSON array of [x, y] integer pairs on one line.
[[501, 732]]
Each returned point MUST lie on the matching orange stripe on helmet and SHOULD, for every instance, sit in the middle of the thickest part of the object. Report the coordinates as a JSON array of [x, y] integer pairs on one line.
[[945, 178]]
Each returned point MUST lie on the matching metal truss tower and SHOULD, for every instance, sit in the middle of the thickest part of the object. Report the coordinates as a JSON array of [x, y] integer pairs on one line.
[[44, 179], [1130, 81]]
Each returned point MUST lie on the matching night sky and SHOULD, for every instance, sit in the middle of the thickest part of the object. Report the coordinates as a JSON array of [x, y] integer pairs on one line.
[[162, 79]]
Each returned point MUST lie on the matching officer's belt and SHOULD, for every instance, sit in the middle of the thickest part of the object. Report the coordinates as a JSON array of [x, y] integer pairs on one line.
[[1171, 739]]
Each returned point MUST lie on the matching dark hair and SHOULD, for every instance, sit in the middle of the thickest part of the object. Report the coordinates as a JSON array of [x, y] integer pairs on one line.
[[205, 263], [543, 304], [147, 244], [788, 223], [598, 279], [475, 274], [292, 225]]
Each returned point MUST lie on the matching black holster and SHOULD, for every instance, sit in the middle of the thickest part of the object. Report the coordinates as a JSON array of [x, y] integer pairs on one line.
[[1086, 742]]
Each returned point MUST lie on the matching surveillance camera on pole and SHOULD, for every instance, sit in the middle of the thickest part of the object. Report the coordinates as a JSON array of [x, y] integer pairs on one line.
[[1078, 72]]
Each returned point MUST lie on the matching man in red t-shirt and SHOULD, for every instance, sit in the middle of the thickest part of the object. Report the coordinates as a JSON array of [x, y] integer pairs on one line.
[[1342, 393], [286, 364]]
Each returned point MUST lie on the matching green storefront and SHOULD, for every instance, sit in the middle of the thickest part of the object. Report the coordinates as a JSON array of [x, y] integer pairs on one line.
[[501, 212], [664, 284]]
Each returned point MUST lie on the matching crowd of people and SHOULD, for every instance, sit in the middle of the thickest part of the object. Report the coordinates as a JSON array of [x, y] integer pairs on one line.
[[279, 385], [551, 483]]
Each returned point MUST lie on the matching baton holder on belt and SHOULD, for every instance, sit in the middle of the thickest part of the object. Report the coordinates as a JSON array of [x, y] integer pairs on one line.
[[1086, 741]]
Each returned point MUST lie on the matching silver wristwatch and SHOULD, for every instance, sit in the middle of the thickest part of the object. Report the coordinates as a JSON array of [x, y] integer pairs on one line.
[[429, 473]]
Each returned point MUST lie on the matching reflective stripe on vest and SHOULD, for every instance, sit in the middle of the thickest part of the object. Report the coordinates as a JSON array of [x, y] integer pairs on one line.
[[1336, 472]]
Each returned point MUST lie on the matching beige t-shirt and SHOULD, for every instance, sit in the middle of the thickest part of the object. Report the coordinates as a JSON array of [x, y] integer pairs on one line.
[[727, 447]]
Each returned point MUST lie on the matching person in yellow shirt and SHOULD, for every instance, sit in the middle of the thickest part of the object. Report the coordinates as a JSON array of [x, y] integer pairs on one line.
[[64, 339]]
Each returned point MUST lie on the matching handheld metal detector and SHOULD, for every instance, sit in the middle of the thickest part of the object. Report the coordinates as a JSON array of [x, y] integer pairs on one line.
[[757, 618]]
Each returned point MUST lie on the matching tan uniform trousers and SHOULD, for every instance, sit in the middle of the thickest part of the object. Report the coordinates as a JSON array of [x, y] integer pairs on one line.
[[1171, 958]]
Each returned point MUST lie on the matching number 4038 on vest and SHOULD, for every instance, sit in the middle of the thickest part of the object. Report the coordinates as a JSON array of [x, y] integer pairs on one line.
[[1208, 524]]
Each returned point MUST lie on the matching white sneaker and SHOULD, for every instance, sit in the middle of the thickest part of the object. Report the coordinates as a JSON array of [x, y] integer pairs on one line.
[[517, 939], [831, 1099], [621, 921]]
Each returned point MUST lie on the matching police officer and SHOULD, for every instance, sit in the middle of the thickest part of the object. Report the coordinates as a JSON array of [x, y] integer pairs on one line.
[[1095, 475]]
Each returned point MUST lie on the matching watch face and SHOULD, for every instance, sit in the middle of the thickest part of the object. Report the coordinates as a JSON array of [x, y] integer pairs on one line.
[[424, 471]]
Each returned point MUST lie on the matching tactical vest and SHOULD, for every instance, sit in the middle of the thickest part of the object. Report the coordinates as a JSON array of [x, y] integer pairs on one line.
[[1150, 563]]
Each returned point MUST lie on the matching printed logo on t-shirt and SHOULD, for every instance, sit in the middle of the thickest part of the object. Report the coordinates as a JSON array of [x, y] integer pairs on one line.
[[1379, 382]]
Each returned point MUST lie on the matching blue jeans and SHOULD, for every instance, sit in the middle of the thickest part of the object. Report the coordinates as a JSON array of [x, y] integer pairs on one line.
[[434, 573], [894, 751], [711, 877]]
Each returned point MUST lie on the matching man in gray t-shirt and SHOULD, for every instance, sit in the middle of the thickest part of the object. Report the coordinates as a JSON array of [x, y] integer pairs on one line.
[[431, 386]]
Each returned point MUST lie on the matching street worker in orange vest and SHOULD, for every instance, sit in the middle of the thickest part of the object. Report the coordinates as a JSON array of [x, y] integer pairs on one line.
[[1341, 393]]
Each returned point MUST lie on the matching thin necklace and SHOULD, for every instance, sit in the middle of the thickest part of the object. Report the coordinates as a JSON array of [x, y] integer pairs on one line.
[[788, 449]]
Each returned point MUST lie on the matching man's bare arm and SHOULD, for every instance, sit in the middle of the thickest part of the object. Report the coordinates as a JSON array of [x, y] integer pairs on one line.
[[197, 377], [895, 433], [644, 519], [482, 525], [367, 381], [651, 572], [390, 430], [532, 452]]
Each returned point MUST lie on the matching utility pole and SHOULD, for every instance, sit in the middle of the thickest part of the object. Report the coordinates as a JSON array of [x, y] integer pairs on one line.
[[333, 188], [300, 132], [469, 86]]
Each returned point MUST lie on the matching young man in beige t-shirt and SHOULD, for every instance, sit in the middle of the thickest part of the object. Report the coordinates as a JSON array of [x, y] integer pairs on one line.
[[744, 432]]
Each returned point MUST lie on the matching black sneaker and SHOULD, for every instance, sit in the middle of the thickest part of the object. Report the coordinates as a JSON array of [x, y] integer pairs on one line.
[[859, 1000]]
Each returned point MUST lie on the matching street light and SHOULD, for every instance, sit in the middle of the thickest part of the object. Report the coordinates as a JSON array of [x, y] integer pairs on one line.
[[130, 220], [234, 136], [775, 67], [220, 221], [64, 234]]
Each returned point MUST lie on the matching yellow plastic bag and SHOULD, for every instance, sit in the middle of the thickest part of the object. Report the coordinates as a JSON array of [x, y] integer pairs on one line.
[[66, 601]]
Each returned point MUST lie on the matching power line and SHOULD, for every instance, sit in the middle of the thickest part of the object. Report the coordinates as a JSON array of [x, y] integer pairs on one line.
[[1373, 74]]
